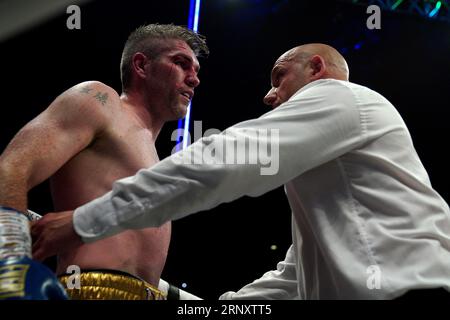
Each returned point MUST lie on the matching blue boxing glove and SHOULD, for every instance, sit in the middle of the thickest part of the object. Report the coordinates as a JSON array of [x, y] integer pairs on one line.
[[21, 278], [25, 279]]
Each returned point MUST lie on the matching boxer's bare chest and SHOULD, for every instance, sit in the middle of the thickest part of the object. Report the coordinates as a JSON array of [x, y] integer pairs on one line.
[[118, 152]]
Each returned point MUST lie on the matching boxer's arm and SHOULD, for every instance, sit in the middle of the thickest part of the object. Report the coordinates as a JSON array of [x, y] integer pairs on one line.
[[279, 284], [43, 145]]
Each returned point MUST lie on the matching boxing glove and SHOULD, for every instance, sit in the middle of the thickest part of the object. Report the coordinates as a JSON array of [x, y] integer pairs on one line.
[[21, 278]]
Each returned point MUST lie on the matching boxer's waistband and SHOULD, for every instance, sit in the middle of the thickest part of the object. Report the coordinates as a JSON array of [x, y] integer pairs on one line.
[[108, 285]]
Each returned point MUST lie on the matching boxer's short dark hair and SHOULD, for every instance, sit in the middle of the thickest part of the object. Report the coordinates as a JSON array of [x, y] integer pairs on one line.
[[149, 39]]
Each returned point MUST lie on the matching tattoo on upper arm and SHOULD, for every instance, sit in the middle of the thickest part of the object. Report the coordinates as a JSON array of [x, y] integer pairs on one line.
[[86, 90], [101, 97]]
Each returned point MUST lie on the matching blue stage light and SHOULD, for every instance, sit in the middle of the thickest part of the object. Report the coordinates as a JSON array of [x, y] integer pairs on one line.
[[194, 13]]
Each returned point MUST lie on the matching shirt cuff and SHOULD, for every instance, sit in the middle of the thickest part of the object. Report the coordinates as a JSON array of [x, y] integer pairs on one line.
[[227, 295], [94, 220]]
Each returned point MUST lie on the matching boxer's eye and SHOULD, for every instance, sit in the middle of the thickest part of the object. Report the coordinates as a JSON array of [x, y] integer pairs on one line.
[[183, 63]]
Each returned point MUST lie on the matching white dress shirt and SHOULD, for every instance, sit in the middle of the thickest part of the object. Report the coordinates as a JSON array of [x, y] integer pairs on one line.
[[366, 224]]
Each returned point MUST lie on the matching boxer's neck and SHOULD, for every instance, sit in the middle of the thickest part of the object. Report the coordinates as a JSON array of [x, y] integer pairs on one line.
[[142, 113]]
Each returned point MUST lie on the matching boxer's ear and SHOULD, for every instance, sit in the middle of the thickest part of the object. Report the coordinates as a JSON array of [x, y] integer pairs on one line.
[[138, 63]]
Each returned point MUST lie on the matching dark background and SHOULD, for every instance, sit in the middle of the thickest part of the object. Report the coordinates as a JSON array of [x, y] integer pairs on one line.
[[212, 252]]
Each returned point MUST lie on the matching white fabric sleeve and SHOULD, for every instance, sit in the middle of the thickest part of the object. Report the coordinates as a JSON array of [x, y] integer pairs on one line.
[[312, 128], [279, 284]]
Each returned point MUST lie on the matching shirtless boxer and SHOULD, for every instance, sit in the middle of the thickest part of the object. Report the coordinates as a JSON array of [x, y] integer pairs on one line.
[[91, 136]]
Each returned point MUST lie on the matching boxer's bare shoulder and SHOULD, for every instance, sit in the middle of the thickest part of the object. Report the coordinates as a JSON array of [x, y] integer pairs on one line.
[[67, 126], [89, 101], [102, 93]]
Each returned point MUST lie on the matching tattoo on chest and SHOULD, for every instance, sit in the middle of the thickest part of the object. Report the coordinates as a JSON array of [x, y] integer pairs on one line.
[[101, 97]]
